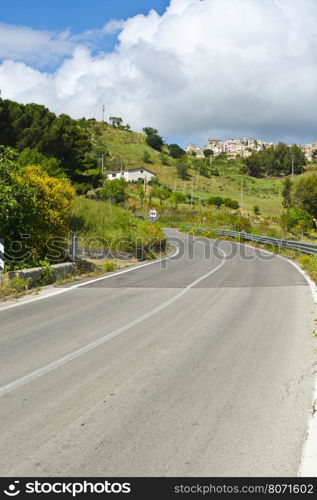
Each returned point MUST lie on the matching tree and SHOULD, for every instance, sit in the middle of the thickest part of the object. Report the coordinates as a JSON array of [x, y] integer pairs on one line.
[[287, 193], [208, 153], [18, 203], [101, 153], [114, 191], [305, 194], [277, 160], [33, 126], [150, 131], [33, 157], [252, 165], [299, 160], [153, 140], [161, 193], [182, 170], [175, 151], [296, 217], [116, 121]]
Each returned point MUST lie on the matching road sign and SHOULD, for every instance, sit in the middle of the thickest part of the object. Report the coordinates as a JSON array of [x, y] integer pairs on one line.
[[153, 215]]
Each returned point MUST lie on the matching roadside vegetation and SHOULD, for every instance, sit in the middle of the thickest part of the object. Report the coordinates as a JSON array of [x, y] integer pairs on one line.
[[100, 222]]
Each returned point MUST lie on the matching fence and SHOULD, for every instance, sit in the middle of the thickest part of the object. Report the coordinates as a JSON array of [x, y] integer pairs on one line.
[[300, 246]]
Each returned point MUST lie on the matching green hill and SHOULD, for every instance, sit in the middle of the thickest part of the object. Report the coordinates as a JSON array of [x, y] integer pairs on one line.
[[127, 148]]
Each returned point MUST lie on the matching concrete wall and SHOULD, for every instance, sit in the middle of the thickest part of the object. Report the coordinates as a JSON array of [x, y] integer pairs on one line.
[[60, 272]]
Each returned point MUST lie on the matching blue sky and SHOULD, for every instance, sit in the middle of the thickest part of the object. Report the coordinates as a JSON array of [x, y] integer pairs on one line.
[[197, 70], [78, 15]]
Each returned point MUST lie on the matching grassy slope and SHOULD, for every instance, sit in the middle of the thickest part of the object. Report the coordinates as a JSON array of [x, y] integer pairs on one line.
[[116, 226], [129, 147]]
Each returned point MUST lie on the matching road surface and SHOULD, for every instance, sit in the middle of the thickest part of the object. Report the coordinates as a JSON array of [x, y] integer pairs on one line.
[[197, 366]]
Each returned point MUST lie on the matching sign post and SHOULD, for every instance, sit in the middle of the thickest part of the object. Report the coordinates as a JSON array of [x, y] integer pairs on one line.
[[1, 258], [1, 254], [74, 247]]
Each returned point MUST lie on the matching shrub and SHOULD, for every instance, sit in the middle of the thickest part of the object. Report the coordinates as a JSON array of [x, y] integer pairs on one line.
[[147, 157], [215, 200], [20, 284], [256, 210], [47, 273], [109, 266], [115, 191], [182, 170]]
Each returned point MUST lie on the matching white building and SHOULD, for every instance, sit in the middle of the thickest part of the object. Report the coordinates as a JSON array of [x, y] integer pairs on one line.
[[134, 174]]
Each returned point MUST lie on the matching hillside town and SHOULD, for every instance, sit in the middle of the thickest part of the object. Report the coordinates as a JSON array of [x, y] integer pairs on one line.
[[243, 147]]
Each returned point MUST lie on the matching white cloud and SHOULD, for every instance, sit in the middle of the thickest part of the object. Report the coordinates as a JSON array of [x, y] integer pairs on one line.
[[33, 46], [203, 68], [113, 26]]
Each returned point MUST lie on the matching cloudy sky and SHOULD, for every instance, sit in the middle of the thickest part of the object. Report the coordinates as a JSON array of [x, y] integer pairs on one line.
[[192, 68]]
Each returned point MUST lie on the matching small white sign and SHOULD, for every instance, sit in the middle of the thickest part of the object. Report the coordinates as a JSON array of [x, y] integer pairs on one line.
[[153, 214]]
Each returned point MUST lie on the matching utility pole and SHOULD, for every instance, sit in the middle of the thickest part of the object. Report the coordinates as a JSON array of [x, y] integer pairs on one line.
[[292, 167], [197, 178], [102, 164], [103, 113], [241, 196], [191, 199]]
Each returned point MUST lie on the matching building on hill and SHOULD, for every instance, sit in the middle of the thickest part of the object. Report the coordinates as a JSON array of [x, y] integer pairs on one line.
[[132, 175], [309, 151], [192, 148], [243, 147], [232, 147]]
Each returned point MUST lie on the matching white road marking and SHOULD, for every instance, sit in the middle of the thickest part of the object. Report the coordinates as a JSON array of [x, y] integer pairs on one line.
[[78, 285], [16, 384], [308, 465]]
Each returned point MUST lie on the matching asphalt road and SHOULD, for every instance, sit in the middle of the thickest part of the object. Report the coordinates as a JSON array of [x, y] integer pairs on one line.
[[200, 366]]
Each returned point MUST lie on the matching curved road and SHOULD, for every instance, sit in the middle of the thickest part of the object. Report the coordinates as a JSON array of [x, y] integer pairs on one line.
[[200, 365]]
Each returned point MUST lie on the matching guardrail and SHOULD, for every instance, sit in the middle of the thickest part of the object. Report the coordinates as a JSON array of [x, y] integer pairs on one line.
[[300, 246]]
